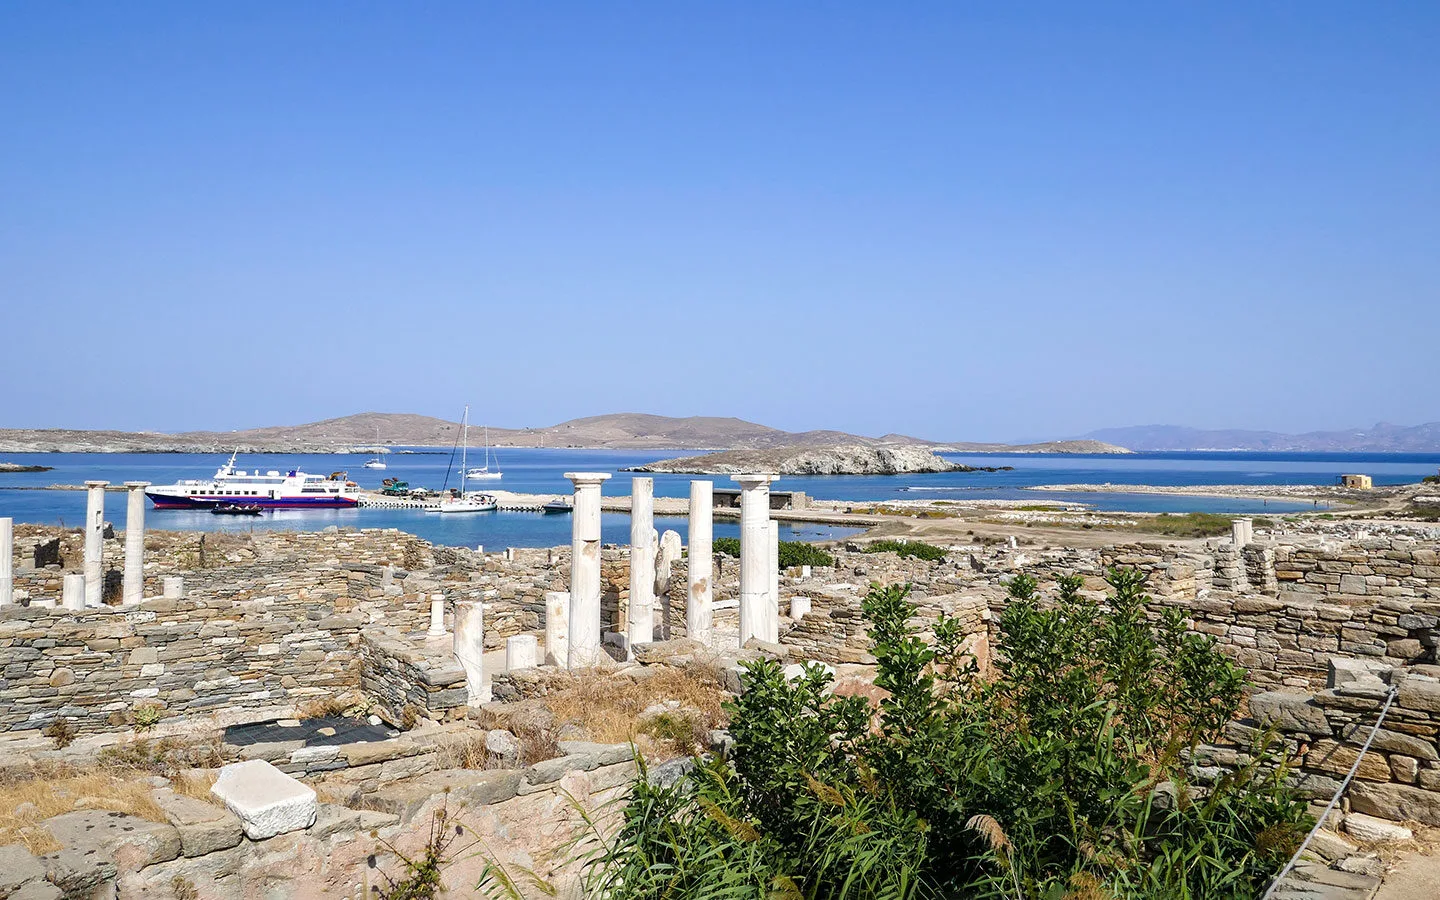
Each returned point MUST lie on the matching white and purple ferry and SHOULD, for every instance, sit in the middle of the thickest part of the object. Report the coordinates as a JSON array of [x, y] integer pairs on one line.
[[272, 490]]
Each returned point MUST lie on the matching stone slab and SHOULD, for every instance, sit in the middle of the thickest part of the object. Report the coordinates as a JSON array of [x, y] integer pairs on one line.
[[266, 800], [132, 842], [203, 827]]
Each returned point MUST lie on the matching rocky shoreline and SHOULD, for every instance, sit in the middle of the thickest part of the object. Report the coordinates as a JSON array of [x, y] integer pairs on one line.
[[851, 460]]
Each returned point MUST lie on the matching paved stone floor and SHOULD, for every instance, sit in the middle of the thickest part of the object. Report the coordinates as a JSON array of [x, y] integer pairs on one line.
[[1414, 878]]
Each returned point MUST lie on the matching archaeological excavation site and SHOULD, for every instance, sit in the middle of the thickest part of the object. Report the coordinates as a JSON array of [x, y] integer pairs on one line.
[[359, 713]]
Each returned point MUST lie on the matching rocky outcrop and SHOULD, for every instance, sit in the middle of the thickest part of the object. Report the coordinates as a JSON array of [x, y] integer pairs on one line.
[[848, 460]]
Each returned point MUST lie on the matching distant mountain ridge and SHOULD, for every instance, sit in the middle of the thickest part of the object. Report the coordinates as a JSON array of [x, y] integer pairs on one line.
[[1383, 437], [358, 433]]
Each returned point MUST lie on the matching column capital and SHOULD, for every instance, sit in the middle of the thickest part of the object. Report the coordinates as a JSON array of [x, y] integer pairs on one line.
[[585, 479], [754, 480], [137, 485], [96, 484]]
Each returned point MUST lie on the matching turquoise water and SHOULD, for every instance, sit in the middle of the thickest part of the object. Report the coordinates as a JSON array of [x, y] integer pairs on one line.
[[541, 471]]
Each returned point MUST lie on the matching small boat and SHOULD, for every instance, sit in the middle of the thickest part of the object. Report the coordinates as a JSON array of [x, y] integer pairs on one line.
[[557, 507], [483, 473], [237, 509], [472, 502], [461, 500], [377, 462]]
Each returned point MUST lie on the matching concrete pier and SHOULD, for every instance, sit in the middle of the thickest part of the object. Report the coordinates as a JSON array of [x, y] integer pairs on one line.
[[72, 592], [469, 648], [584, 650], [755, 556], [700, 610], [557, 628], [437, 615], [94, 541], [135, 542], [640, 627], [7, 561], [520, 652]]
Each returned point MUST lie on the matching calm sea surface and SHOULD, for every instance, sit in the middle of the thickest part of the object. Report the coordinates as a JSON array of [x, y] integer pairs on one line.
[[541, 471]]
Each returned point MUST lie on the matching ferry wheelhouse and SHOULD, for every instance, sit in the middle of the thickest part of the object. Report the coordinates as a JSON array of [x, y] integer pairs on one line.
[[273, 490]]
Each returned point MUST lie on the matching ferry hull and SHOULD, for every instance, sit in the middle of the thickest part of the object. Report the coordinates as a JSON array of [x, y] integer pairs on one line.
[[163, 501]]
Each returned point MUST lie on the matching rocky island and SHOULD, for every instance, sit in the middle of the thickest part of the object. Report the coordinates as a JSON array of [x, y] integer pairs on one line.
[[845, 460], [6, 467]]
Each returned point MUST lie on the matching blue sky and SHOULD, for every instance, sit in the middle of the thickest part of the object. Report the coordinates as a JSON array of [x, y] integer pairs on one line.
[[964, 221]]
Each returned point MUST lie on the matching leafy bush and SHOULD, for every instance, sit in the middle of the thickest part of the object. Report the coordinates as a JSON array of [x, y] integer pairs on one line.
[[792, 553], [1063, 777], [1430, 479], [907, 549], [799, 553]]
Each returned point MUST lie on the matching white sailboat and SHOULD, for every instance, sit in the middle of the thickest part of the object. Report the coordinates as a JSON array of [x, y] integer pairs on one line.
[[464, 501], [377, 462], [484, 473]]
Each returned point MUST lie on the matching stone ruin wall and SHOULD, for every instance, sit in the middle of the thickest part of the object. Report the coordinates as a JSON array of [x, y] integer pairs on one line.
[[1280, 610], [1323, 732]]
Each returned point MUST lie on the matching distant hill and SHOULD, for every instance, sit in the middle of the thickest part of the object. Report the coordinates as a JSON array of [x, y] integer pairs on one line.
[[625, 431], [1380, 438]]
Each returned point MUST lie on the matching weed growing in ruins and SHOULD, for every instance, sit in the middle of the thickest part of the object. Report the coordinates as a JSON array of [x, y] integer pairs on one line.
[[62, 732], [1063, 776], [908, 549], [146, 716]]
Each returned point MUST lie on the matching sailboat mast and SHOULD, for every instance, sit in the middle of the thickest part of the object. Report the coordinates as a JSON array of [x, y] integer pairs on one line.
[[464, 445]]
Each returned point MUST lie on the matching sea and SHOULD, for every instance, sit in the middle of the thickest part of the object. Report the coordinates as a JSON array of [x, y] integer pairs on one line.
[[541, 471]]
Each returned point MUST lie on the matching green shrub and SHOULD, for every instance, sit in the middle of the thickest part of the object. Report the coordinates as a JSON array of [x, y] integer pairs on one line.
[[799, 553], [1430, 479], [1044, 782], [726, 547], [1184, 525], [792, 553], [907, 549]]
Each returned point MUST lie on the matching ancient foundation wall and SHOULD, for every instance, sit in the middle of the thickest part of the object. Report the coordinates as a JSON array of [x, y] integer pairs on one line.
[[1398, 778]]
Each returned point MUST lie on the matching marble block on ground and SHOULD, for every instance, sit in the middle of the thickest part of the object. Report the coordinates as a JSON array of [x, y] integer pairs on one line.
[[266, 800]]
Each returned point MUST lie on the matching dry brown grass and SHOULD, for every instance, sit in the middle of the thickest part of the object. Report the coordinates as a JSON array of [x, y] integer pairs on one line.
[[25, 804], [608, 709]]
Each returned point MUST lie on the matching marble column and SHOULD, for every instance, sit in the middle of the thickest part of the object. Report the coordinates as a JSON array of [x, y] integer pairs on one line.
[[699, 606], [135, 542], [583, 649], [640, 627], [72, 594], [1242, 532], [520, 652], [755, 555], [772, 608], [469, 648], [94, 541], [799, 608], [172, 587], [557, 628], [7, 561], [437, 616]]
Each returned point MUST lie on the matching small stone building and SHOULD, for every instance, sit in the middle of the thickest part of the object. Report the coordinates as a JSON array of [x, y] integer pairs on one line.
[[1359, 482]]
